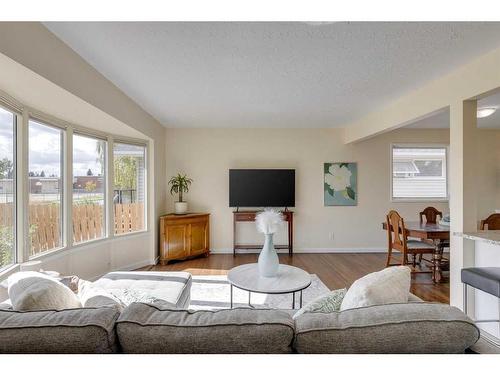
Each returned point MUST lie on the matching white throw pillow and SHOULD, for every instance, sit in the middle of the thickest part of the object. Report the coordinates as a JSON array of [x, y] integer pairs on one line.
[[391, 285], [35, 291], [92, 296]]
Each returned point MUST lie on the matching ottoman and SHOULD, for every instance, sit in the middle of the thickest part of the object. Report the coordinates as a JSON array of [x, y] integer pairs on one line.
[[173, 288]]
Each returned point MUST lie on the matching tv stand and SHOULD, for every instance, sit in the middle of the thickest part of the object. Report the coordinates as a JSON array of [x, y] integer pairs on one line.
[[246, 216]]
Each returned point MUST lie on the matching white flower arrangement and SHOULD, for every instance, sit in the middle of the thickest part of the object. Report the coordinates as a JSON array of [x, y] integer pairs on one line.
[[268, 221]]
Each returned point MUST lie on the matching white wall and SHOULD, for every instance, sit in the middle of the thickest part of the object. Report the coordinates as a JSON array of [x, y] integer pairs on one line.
[[206, 155], [90, 261]]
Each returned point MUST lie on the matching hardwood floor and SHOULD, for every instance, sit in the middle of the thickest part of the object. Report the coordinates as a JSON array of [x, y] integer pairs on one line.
[[335, 270]]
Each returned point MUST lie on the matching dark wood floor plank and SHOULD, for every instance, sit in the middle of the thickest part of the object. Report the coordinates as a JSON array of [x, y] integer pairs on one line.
[[337, 270]]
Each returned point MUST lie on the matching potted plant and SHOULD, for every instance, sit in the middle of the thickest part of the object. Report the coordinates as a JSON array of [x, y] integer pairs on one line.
[[179, 185]]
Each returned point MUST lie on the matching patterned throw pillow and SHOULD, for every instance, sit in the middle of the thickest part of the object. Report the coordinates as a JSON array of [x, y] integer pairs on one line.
[[326, 303]]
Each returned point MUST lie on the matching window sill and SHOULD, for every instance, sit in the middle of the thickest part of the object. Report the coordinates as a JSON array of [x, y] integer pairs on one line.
[[419, 200], [8, 271], [48, 253], [122, 235]]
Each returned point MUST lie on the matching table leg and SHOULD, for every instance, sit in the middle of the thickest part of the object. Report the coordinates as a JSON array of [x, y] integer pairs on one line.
[[293, 301], [231, 295], [300, 299], [437, 274], [249, 301]]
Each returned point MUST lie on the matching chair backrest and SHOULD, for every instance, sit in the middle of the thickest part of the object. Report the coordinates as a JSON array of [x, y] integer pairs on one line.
[[430, 214], [396, 231], [492, 222]]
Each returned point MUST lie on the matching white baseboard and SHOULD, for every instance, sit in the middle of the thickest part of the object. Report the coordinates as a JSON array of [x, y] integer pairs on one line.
[[310, 250]]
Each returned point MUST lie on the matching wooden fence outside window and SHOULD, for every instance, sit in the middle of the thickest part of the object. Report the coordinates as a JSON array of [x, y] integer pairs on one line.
[[88, 222]]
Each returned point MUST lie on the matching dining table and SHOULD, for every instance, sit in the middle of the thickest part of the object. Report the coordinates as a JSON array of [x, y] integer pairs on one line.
[[436, 233]]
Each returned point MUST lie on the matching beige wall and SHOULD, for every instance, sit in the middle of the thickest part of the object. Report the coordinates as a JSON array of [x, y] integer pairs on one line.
[[206, 155], [488, 186]]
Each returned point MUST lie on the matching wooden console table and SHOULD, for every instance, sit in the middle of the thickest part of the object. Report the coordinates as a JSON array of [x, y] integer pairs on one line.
[[245, 216]]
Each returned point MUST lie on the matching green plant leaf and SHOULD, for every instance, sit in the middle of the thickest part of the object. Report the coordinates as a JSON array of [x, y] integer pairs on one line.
[[329, 189], [344, 165], [326, 168], [180, 184], [350, 193]]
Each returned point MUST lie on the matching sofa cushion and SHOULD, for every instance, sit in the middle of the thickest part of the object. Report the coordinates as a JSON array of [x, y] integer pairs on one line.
[[391, 285], [36, 291], [145, 328], [81, 330], [148, 287], [395, 328]]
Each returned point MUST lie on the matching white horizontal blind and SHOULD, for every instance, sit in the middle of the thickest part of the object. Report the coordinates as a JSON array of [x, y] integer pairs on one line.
[[10, 104], [426, 179]]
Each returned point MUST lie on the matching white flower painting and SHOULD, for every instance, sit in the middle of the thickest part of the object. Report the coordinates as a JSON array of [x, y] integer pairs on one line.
[[340, 184]]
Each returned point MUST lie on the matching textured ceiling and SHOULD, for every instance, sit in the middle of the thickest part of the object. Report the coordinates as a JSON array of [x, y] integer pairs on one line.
[[236, 74]]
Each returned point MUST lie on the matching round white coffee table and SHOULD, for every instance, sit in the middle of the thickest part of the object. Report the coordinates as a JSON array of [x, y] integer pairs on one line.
[[289, 280]]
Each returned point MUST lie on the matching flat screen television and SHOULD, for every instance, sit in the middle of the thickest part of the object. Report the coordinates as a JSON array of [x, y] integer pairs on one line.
[[261, 187]]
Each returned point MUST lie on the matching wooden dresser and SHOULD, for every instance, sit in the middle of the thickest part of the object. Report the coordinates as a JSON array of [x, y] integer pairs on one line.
[[184, 236]]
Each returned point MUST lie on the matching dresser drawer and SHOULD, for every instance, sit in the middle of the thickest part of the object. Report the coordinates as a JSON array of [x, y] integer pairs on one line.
[[245, 216]]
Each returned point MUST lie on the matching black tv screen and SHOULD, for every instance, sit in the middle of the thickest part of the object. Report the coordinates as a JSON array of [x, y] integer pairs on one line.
[[261, 188]]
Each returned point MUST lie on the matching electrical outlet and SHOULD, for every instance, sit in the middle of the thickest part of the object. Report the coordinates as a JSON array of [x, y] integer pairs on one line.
[[331, 236]]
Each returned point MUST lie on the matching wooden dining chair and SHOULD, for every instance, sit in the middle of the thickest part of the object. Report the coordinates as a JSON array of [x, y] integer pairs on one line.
[[492, 222], [431, 214], [398, 241]]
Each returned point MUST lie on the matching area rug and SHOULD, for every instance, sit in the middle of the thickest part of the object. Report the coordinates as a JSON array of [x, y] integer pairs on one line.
[[213, 293]]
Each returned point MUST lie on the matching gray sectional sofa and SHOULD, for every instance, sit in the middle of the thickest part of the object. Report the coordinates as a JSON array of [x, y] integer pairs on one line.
[[167, 327]]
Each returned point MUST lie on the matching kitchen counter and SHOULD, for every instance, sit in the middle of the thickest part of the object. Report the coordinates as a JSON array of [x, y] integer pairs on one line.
[[491, 237]]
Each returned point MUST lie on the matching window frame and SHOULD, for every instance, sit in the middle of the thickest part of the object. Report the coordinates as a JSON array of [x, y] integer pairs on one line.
[[105, 186], [132, 142], [17, 117], [393, 199], [62, 188]]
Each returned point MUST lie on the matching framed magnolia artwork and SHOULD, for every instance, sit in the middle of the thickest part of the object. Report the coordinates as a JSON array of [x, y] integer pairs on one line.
[[340, 184]]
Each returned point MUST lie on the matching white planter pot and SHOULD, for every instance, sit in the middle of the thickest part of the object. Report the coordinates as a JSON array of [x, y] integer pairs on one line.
[[268, 259], [181, 208]]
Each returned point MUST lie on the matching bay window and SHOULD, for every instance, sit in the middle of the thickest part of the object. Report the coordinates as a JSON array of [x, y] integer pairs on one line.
[[61, 185]]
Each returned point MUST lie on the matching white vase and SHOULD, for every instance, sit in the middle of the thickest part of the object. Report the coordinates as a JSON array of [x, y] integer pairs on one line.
[[268, 259], [181, 208]]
